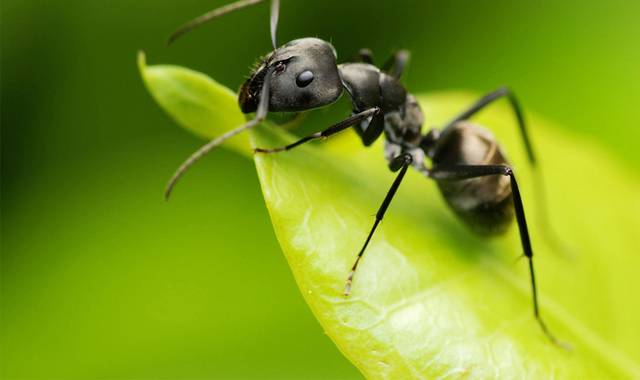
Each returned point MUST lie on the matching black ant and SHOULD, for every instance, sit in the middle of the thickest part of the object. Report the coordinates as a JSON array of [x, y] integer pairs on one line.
[[468, 165]]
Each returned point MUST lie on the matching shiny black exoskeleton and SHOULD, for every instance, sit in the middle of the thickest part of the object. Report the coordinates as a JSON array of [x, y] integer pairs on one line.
[[468, 165]]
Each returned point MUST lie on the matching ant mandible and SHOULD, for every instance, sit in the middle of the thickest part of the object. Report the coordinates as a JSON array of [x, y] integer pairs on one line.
[[468, 165]]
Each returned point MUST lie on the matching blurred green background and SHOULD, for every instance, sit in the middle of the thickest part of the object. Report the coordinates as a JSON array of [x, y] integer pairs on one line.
[[103, 279]]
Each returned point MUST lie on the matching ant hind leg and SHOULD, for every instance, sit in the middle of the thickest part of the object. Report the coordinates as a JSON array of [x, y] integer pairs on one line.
[[549, 234], [462, 172]]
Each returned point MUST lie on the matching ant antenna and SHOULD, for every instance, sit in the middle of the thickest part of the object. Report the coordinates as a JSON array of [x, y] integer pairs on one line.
[[275, 12], [261, 114], [263, 106], [205, 18]]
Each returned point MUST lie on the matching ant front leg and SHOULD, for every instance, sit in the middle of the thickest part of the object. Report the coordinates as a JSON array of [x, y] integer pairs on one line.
[[332, 130], [462, 172], [401, 163]]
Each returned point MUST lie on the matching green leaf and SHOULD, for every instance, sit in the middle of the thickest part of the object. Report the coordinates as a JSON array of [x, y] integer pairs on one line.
[[431, 299]]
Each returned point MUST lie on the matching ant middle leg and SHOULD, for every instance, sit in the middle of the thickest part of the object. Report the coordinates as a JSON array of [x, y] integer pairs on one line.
[[365, 55], [461, 172], [395, 65], [400, 163]]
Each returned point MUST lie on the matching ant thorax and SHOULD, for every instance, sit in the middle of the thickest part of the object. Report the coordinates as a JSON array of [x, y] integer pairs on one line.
[[404, 126], [402, 116]]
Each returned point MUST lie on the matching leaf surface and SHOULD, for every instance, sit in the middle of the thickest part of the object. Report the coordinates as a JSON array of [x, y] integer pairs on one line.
[[431, 299]]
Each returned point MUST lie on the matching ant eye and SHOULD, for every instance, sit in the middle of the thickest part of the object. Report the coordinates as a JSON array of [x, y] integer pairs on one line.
[[304, 78], [280, 66]]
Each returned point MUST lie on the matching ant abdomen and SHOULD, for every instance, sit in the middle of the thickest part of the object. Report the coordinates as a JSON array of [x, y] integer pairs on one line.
[[485, 204]]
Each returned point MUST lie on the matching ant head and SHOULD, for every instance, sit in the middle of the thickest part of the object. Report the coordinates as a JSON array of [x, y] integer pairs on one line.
[[304, 76]]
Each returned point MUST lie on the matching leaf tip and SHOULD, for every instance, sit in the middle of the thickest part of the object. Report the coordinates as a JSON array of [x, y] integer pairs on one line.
[[142, 62]]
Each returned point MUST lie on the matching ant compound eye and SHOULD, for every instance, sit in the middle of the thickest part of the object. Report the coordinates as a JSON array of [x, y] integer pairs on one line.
[[280, 66], [304, 78]]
